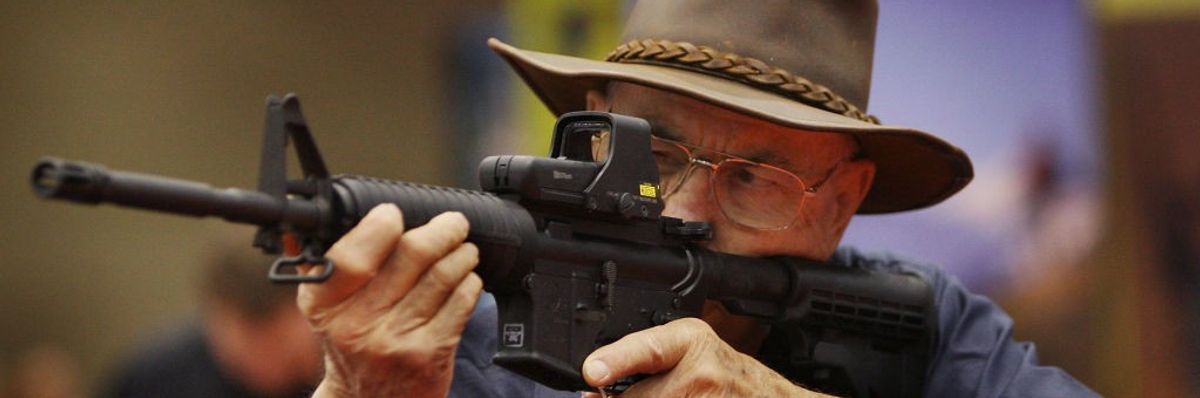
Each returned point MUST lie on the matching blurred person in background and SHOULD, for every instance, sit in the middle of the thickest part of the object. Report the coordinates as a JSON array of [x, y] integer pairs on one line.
[[250, 340], [44, 371]]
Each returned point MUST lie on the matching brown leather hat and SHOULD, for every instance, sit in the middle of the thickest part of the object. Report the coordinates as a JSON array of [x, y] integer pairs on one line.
[[803, 64]]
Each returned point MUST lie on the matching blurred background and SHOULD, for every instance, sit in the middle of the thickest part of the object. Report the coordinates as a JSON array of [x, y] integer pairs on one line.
[[1080, 116]]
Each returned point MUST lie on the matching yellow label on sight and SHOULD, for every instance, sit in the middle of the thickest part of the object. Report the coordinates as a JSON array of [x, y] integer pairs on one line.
[[648, 190]]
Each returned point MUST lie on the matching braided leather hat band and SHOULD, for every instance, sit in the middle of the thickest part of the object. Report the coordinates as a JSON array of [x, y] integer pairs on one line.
[[750, 71]]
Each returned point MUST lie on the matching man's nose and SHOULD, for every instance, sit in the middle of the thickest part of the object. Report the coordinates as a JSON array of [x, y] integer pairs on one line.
[[693, 200]]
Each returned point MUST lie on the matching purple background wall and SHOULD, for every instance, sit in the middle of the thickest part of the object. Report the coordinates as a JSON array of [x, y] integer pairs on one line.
[[1000, 80]]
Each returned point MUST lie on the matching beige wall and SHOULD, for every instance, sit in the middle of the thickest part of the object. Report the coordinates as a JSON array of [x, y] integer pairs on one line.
[[177, 89]]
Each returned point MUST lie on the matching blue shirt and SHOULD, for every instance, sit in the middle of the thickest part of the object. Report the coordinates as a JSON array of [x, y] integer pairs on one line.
[[974, 354]]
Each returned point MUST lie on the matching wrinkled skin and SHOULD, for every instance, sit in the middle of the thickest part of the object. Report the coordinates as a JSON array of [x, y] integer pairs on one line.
[[393, 314]]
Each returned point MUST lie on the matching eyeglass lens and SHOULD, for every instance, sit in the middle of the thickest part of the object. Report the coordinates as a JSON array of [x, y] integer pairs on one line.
[[748, 193]]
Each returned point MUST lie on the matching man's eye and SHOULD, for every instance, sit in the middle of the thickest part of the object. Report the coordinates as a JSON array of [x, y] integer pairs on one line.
[[745, 177], [756, 177]]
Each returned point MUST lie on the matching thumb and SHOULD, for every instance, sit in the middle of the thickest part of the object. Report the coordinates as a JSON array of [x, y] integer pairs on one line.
[[651, 351]]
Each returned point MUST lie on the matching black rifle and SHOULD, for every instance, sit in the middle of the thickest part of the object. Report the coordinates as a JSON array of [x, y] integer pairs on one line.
[[574, 248]]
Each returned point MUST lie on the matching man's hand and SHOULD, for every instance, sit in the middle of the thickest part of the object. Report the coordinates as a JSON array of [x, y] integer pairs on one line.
[[392, 314], [685, 358]]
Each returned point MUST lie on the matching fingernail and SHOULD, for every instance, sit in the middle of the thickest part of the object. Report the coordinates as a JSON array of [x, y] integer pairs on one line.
[[597, 371]]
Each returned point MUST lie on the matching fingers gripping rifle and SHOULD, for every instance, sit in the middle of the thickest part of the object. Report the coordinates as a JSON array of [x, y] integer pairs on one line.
[[574, 247]]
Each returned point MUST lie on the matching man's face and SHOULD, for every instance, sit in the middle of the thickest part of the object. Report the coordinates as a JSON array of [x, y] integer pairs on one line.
[[809, 155]]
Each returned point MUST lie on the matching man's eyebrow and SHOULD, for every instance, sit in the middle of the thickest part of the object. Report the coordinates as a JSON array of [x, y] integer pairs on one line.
[[774, 159], [765, 157], [656, 128]]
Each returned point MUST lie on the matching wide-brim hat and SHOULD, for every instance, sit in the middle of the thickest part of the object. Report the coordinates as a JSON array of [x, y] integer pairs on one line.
[[802, 64]]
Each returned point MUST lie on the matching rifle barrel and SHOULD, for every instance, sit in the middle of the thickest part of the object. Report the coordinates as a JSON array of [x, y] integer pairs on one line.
[[93, 184]]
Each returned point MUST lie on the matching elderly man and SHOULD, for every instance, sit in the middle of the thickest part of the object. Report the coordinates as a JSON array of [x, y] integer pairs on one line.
[[758, 114]]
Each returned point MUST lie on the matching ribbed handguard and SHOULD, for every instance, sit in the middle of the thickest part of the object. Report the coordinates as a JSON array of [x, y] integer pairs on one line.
[[500, 228]]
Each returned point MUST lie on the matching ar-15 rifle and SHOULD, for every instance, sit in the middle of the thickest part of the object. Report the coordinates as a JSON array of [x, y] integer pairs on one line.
[[573, 246]]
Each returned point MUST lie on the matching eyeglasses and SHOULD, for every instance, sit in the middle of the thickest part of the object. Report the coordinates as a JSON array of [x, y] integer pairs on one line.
[[749, 193]]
